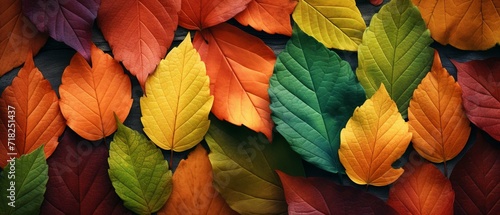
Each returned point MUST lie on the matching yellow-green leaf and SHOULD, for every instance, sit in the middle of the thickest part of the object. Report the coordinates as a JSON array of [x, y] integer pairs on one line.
[[177, 102]]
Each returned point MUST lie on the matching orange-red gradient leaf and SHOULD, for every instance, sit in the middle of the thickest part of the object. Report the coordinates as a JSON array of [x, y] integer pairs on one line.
[[90, 95], [139, 32], [422, 189], [18, 36], [436, 117], [30, 115], [239, 66], [271, 16], [202, 14], [193, 192]]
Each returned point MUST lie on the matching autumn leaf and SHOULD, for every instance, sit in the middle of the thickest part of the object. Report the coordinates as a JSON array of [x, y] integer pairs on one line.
[[177, 103], [271, 16], [480, 82], [138, 171], [376, 2], [193, 192], [313, 93], [79, 181], [422, 189], [437, 119], [395, 51], [18, 36], [239, 66], [321, 196], [336, 24], [30, 115], [139, 32], [90, 95], [469, 25], [374, 138], [202, 14], [68, 21], [29, 175], [476, 178]]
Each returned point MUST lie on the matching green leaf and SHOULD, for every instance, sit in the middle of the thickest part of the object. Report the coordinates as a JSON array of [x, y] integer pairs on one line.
[[313, 94], [29, 173], [395, 51], [244, 165], [138, 171]]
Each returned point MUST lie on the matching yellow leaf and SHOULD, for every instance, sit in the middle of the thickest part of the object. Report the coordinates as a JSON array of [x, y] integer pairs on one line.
[[177, 102], [374, 137]]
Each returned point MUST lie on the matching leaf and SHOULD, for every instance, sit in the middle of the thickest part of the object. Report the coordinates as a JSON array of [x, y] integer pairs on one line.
[[30, 115], [476, 178], [22, 183], [18, 36], [138, 171], [239, 66], [374, 138], [177, 103], [313, 93], [68, 21], [480, 82], [243, 168], [202, 14], [469, 25], [336, 24], [90, 95], [193, 192], [376, 2], [139, 32], [271, 16], [321, 196], [437, 119], [395, 51], [422, 189]]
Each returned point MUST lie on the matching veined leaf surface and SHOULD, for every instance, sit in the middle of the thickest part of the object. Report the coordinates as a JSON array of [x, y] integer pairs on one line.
[[271, 16], [202, 14]]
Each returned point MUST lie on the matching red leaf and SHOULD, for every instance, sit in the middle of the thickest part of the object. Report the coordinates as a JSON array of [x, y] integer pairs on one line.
[[321, 196], [476, 179], [271, 16], [202, 14], [79, 181], [480, 82], [376, 2], [68, 21]]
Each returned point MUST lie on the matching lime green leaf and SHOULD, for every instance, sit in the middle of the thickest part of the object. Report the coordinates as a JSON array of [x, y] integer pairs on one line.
[[243, 166], [395, 51], [337, 24], [22, 183], [313, 94], [138, 171]]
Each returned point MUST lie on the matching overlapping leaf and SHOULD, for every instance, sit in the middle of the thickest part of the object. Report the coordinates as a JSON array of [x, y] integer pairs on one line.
[[90, 95], [480, 82], [29, 175], [374, 138], [138, 171], [313, 93], [202, 14], [243, 168], [239, 66], [271, 16], [68, 21], [336, 24], [395, 51], [139, 32], [470, 24], [30, 114], [437, 119]]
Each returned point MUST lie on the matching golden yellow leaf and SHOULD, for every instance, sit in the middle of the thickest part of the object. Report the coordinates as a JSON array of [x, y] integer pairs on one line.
[[374, 137]]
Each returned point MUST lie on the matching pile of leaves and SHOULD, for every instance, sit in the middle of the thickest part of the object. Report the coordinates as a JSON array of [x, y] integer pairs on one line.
[[249, 119]]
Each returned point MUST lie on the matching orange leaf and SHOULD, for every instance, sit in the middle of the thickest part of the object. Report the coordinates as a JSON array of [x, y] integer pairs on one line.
[[32, 116], [202, 14], [90, 95], [271, 16], [422, 189], [465, 24], [139, 32], [436, 117], [239, 66], [18, 36]]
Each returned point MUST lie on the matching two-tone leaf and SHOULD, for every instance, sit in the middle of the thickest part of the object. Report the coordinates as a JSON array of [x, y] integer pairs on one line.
[[202, 14]]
